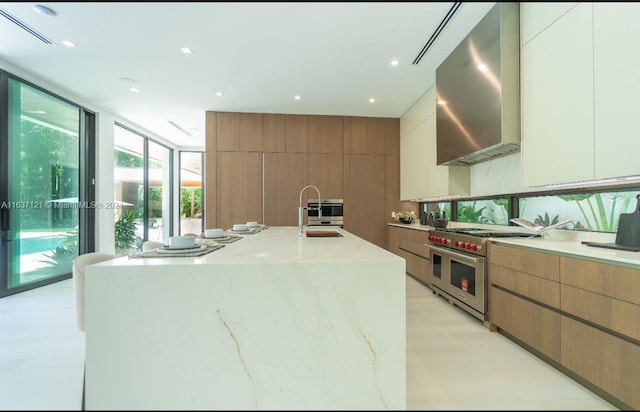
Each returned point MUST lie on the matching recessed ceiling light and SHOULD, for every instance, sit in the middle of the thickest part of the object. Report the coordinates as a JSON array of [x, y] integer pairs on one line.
[[483, 67], [442, 102], [68, 43], [394, 62], [186, 50], [219, 94], [134, 89], [372, 100], [297, 97], [44, 10]]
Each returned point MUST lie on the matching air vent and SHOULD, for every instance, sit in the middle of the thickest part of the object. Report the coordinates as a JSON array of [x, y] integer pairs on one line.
[[438, 30], [172, 123], [24, 27]]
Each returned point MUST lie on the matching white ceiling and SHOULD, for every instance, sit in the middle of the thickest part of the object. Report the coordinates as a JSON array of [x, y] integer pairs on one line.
[[335, 55]]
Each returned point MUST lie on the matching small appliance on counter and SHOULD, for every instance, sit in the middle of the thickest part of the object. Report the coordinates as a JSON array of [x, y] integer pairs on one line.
[[628, 235]]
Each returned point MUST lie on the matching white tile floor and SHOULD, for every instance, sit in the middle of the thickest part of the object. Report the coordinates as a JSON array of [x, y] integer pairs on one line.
[[453, 361]]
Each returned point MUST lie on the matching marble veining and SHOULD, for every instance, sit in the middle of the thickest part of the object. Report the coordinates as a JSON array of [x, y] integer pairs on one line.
[[292, 330]]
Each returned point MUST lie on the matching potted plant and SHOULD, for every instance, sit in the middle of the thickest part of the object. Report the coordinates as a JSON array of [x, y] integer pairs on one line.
[[126, 238]]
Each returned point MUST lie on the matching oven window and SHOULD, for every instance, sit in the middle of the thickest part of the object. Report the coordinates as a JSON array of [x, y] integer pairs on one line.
[[436, 264], [463, 277]]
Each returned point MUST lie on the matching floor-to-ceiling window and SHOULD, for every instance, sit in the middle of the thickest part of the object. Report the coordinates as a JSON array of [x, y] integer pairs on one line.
[[191, 192], [142, 184], [43, 185]]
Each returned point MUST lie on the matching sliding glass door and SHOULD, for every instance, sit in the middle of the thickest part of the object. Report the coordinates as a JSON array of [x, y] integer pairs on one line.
[[40, 185]]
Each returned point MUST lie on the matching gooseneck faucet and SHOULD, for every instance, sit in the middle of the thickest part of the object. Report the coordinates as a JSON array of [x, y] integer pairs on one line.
[[301, 209]]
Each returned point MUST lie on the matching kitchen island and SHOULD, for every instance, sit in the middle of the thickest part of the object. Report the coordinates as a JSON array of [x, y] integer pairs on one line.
[[272, 321]]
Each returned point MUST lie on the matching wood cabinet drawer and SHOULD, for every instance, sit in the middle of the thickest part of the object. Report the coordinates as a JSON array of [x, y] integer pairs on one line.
[[606, 279], [414, 247], [533, 324], [417, 267], [613, 314], [608, 362], [537, 263], [536, 288]]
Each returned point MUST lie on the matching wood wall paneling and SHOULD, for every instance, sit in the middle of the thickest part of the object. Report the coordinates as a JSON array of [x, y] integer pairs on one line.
[[325, 134], [210, 190], [392, 187], [228, 131], [296, 133], [325, 170], [274, 133], [285, 174], [387, 136], [239, 188], [251, 132], [359, 135]]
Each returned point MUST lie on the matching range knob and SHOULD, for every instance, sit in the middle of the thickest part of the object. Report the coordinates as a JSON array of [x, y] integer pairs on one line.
[[475, 248], [469, 246], [456, 244]]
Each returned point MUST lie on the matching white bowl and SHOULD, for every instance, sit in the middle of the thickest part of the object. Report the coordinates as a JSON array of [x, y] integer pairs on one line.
[[559, 234], [252, 224], [214, 233], [240, 226], [182, 241]]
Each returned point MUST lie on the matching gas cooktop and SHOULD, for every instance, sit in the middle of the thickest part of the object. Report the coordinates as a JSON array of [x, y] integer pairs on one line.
[[479, 232]]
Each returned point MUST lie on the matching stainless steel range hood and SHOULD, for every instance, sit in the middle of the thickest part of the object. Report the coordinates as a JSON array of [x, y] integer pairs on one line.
[[477, 91]]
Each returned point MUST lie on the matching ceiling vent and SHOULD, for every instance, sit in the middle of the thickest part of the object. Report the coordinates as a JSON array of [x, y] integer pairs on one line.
[[174, 124], [24, 27], [438, 30]]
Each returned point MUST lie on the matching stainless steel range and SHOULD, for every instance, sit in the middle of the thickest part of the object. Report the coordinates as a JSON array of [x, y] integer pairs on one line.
[[459, 265]]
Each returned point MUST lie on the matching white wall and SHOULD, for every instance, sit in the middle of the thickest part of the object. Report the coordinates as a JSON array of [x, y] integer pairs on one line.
[[105, 121]]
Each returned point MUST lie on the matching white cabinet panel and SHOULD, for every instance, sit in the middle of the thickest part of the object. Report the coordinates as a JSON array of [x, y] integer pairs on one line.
[[557, 101], [535, 17], [413, 162], [617, 87]]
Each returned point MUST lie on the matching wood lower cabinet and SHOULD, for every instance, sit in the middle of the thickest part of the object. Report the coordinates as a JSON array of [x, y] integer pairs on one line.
[[410, 245], [582, 314]]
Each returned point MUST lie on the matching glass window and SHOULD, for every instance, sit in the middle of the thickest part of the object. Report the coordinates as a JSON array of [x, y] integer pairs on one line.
[[598, 212], [489, 211], [191, 192], [438, 207]]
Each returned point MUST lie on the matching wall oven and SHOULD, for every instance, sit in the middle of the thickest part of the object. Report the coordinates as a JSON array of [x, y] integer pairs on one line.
[[332, 212], [458, 267]]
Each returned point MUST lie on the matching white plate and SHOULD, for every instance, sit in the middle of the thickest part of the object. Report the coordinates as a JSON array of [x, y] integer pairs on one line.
[[241, 231], [183, 250], [216, 238]]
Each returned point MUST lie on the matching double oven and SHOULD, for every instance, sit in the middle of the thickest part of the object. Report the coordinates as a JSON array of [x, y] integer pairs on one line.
[[458, 266], [332, 212]]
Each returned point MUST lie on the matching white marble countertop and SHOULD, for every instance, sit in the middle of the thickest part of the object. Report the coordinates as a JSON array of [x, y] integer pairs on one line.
[[279, 244], [571, 248]]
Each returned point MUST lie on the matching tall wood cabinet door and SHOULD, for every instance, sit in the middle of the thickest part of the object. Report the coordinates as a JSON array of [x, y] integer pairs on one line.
[[285, 174], [326, 171], [274, 132], [617, 130], [296, 133], [239, 188], [359, 135], [392, 186], [251, 132], [210, 189], [227, 131], [387, 136], [365, 199], [325, 134]]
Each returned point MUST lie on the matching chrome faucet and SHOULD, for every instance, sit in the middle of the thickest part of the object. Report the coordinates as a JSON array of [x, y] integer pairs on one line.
[[301, 209]]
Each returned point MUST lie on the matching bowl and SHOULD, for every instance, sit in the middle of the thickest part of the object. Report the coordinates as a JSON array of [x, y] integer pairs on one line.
[[240, 226], [214, 233], [438, 223], [182, 241]]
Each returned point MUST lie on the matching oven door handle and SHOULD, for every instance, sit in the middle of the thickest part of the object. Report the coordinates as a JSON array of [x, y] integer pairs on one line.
[[454, 253]]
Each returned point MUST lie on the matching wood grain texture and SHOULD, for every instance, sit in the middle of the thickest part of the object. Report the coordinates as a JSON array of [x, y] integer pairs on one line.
[[285, 174], [327, 172], [534, 287], [525, 260], [296, 133], [608, 362], [533, 324], [228, 131], [325, 134], [251, 133], [274, 133], [239, 188]]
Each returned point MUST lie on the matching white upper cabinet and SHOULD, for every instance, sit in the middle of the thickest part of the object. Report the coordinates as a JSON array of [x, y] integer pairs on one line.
[[557, 100], [420, 176], [617, 87], [535, 17]]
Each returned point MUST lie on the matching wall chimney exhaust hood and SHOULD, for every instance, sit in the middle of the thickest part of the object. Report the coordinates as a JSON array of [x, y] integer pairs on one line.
[[477, 92]]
